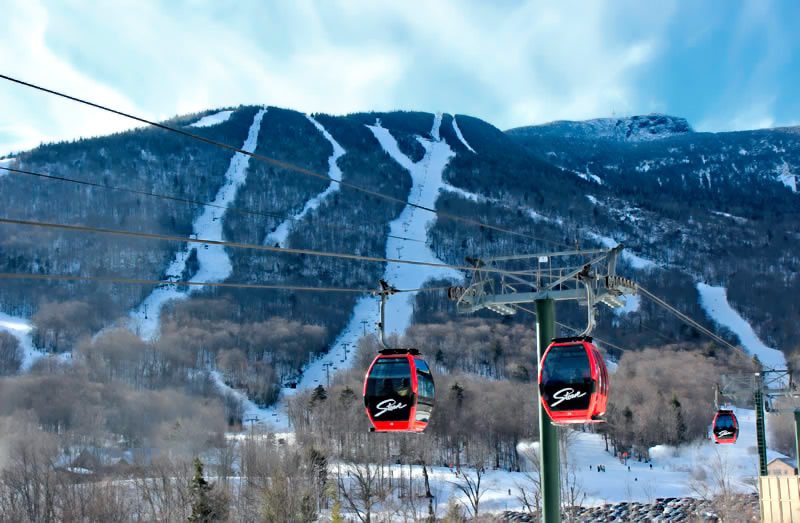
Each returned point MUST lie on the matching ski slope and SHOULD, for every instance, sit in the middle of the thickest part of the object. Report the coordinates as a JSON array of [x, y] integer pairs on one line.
[[635, 261], [461, 136], [214, 263], [6, 162], [714, 301], [212, 119], [281, 232], [427, 181], [21, 329]]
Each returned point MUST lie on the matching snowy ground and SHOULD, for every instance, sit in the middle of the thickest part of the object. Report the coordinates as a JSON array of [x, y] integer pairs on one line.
[[281, 232], [714, 301], [214, 263], [687, 471], [212, 119], [21, 328]]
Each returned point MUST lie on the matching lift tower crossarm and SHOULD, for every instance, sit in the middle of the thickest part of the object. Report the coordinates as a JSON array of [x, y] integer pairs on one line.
[[583, 276]]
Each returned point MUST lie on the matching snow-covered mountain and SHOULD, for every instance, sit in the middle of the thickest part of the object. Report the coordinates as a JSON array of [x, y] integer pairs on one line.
[[628, 129], [692, 208]]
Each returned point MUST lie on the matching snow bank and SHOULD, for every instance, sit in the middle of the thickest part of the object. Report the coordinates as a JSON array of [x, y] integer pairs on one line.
[[461, 136], [281, 232], [212, 119], [214, 263], [714, 301]]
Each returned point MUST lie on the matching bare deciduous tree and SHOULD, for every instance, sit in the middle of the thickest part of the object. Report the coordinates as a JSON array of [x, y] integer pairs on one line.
[[470, 486]]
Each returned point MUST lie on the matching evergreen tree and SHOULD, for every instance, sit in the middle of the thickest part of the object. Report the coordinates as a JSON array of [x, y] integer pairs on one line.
[[319, 394], [680, 423], [208, 506]]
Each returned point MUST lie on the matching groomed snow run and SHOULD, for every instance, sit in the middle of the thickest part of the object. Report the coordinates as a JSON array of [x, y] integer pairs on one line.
[[213, 262], [21, 329], [281, 232], [635, 261], [212, 119], [461, 136], [714, 301], [426, 177], [426, 183], [362, 320], [632, 304]]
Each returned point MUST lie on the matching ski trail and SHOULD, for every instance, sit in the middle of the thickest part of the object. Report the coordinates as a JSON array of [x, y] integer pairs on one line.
[[427, 180], [281, 232], [636, 261], [461, 136], [714, 301], [212, 119], [213, 262], [21, 329], [426, 177]]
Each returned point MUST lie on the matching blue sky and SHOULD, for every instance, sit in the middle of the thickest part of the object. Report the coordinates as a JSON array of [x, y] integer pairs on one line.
[[723, 64]]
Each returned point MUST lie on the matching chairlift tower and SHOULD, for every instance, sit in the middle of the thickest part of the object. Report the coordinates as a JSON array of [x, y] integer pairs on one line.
[[502, 283], [764, 387]]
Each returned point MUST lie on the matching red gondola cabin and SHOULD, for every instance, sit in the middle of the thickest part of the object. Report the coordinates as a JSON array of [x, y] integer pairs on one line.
[[573, 381], [398, 391], [725, 427]]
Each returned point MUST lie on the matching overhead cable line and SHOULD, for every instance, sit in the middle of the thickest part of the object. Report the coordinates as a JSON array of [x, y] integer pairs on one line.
[[178, 199], [239, 245], [232, 285], [686, 319], [139, 281], [573, 329], [277, 163]]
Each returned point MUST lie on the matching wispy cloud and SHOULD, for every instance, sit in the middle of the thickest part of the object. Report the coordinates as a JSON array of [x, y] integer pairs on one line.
[[512, 63]]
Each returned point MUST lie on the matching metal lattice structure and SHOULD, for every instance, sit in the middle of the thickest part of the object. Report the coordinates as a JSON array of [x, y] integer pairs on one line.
[[502, 283], [769, 390], [586, 276]]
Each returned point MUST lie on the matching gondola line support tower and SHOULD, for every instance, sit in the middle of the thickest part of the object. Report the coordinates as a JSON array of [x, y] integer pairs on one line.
[[586, 276]]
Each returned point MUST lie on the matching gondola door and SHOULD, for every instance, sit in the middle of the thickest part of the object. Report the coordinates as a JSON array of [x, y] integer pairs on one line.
[[426, 393]]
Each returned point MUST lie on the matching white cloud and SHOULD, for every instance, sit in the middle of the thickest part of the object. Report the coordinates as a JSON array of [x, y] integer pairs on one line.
[[24, 53], [512, 64]]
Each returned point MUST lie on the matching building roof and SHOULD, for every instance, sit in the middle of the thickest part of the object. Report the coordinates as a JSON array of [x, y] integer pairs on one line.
[[787, 461]]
